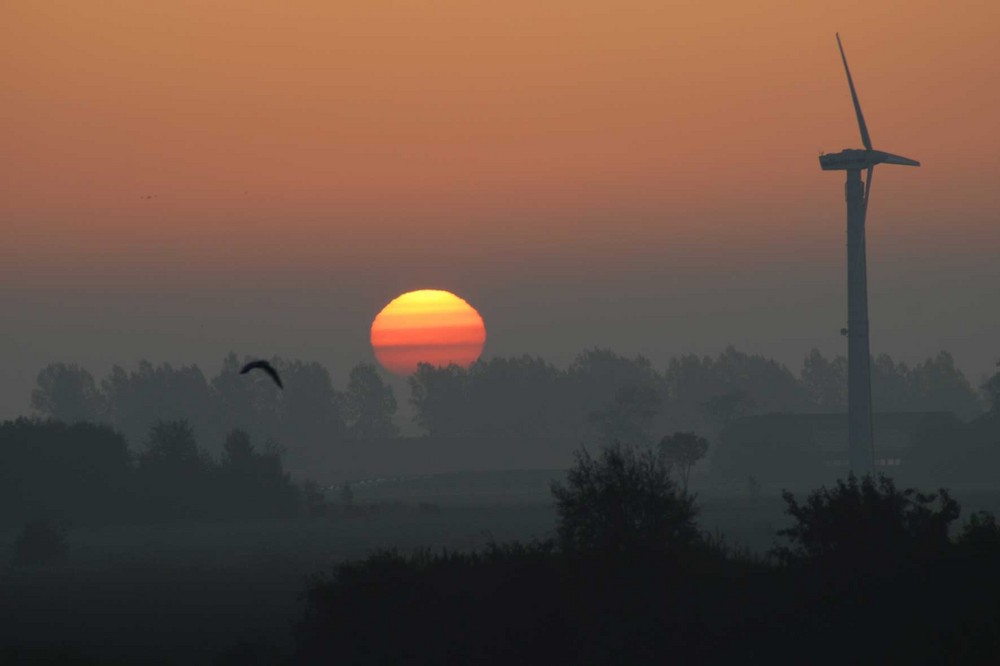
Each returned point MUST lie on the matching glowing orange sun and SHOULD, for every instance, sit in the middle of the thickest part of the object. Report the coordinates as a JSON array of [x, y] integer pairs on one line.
[[427, 326]]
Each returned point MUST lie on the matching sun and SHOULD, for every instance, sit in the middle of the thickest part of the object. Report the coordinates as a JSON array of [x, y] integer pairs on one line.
[[427, 326]]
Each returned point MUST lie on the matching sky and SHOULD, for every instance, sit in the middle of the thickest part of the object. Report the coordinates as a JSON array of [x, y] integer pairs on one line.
[[181, 179]]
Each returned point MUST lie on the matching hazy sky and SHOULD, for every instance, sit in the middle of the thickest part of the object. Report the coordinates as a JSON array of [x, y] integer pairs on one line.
[[640, 175]]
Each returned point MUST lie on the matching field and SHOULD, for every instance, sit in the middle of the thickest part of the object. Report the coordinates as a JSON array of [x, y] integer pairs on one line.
[[185, 593]]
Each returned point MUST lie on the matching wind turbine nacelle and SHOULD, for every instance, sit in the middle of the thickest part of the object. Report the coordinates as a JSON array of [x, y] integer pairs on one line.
[[854, 159]]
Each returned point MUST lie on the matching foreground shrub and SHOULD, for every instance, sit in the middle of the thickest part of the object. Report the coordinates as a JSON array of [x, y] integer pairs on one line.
[[868, 525], [622, 501], [431, 608]]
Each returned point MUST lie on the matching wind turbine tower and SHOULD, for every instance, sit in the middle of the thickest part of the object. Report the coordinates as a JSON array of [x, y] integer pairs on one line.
[[859, 389]]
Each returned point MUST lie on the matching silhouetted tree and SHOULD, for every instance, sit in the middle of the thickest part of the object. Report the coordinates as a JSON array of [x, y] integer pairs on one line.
[[682, 451], [151, 393], [172, 445], [369, 404], [238, 452], [175, 474], [932, 385], [629, 416], [867, 525], [440, 397], [825, 381], [991, 388], [249, 402], [68, 392], [253, 482], [623, 501], [694, 382], [596, 376], [939, 385], [980, 536], [312, 415], [518, 397], [69, 471], [891, 384]]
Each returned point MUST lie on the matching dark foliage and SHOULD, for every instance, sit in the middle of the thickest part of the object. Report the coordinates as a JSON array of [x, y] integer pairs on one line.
[[867, 526], [907, 596], [623, 501], [69, 393], [369, 404], [86, 474], [991, 389], [601, 397], [138, 399], [628, 417], [252, 483], [49, 468], [681, 452], [980, 536], [730, 385]]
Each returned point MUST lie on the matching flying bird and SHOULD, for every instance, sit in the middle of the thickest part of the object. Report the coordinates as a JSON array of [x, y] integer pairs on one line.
[[266, 367]]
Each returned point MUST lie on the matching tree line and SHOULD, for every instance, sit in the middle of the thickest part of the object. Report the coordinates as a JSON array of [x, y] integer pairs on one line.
[[87, 473], [310, 412], [602, 396]]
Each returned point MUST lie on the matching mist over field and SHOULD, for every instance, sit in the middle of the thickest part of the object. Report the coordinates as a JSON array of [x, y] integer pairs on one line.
[[195, 509]]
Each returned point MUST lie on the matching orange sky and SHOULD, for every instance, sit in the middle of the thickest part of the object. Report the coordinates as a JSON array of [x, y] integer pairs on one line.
[[570, 167], [284, 139]]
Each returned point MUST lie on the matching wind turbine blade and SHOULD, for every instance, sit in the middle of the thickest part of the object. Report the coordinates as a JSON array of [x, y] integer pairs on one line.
[[868, 188], [865, 139], [889, 158]]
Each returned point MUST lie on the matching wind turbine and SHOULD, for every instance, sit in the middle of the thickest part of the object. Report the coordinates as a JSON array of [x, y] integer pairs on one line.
[[859, 389]]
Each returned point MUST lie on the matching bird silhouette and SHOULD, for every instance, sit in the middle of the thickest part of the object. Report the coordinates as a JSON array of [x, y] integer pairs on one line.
[[266, 367]]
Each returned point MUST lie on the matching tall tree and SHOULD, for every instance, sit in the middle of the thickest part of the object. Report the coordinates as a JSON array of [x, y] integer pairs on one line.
[[247, 402], [935, 384], [517, 397], [825, 381], [369, 404], [172, 446], [941, 385], [68, 392], [992, 390], [175, 474], [151, 394], [311, 409], [614, 396], [694, 381], [440, 397], [681, 452], [628, 417]]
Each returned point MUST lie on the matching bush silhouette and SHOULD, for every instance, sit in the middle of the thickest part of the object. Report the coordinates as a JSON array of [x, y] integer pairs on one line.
[[867, 525], [621, 502]]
